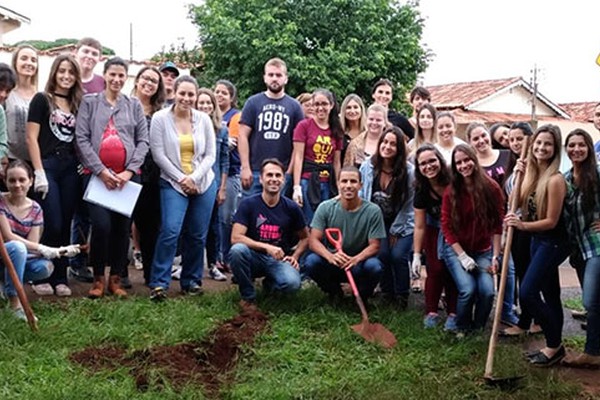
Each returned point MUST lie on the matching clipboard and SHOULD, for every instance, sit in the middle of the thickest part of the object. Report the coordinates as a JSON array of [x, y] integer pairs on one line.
[[121, 200]]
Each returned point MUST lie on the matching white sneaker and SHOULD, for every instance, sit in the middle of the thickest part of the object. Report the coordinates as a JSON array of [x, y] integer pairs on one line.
[[63, 290], [215, 274], [137, 260], [43, 289], [176, 272]]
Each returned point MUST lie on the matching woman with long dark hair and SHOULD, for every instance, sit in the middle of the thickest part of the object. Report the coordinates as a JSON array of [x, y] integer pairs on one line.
[[541, 199], [582, 209], [472, 213], [387, 180], [149, 88], [318, 143], [432, 177], [51, 144]]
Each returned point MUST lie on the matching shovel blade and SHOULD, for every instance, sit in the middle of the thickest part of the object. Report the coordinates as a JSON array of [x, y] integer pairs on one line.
[[375, 333]]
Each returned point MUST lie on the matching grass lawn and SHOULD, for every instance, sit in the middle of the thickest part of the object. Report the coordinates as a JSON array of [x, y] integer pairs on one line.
[[308, 352]]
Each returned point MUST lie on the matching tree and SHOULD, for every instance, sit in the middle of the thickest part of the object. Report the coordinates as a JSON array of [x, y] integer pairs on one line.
[[180, 54], [342, 45], [50, 44]]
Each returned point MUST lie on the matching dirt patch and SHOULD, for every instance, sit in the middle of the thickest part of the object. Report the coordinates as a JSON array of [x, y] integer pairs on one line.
[[208, 363]]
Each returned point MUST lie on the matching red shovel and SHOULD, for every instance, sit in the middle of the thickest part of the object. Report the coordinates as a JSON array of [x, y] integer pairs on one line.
[[375, 333]]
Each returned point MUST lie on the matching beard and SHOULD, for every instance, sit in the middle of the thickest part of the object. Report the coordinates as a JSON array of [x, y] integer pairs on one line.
[[275, 89]]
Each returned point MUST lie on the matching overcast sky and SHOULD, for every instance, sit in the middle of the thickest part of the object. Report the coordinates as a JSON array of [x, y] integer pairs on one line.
[[471, 39]]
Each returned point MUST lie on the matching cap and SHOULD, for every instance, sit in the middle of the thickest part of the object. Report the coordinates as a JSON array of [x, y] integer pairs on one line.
[[170, 65]]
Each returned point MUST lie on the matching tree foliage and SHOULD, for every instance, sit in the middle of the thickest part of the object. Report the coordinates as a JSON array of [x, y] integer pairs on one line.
[[343, 45], [50, 44], [180, 54]]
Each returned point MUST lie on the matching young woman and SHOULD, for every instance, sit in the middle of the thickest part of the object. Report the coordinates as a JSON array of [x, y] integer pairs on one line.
[[112, 140], [352, 118], [521, 244], [499, 134], [432, 177], [184, 147], [445, 128], [21, 223], [25, 64], [541, 199], [149, 89], [472, 213], [318, 145], [51, 144], [226, 95], [208, 103], [499, 165], [582, 209], [387, 180], [365, 144], [305, 100], [426, 132]]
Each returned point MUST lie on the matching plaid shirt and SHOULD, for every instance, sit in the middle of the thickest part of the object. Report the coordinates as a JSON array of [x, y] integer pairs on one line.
[[579, 220]]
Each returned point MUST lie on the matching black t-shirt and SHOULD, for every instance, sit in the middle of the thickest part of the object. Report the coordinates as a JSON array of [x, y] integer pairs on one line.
[[383, 198], [401, 122], [429, 201], [57, 128], [273, 225]]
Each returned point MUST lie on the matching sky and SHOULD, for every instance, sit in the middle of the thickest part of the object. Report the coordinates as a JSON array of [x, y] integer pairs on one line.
[[471, 39]]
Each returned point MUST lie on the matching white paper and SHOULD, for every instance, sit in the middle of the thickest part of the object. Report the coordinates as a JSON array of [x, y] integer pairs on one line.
[[121, 200]]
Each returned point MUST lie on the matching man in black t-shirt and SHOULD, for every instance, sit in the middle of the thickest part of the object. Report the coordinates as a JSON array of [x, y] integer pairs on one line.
[[265, 228], [382, 93]]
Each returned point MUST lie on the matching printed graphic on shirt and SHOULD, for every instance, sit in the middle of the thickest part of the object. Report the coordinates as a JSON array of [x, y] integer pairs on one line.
[[62, 125], [267, 232], [273, 122]]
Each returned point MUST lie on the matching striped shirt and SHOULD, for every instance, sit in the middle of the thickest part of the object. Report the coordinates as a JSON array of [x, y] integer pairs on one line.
[[23, 226]]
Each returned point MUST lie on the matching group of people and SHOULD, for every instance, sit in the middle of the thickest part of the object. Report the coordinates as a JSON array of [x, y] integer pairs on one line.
[[291, 190]]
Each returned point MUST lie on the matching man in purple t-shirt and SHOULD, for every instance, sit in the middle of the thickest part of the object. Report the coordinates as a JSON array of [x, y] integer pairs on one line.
[[266, 126], [87, 53]]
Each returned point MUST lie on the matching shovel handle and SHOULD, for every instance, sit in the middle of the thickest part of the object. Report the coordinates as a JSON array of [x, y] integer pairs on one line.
[[334, 236], [359, 300]]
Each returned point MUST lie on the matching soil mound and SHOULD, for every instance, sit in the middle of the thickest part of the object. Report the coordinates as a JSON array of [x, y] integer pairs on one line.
[[207, 363]]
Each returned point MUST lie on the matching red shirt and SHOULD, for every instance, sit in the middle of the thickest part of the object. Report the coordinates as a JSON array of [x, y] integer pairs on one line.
[[112, 151], [472, 235]]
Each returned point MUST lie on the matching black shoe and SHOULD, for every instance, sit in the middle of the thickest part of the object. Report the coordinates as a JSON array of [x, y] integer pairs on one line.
[[579, 315], [158, 294], [82, 274], [584, 326], [193, 290], [126, 283], [542, 360]]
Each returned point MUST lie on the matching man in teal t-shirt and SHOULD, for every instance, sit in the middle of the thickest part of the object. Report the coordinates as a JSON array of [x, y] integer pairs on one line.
[[362, 228]]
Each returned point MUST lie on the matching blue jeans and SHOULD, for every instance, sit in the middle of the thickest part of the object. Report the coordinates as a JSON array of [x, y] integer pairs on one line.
[[27, 269], [508, 314], [395, 279], [542, 278], [247, 264], [59, 207], [256, 186], [307, 209], [366, 274], [213, 237], [591, 302], [187, 214], [475, 288], [228, 209]]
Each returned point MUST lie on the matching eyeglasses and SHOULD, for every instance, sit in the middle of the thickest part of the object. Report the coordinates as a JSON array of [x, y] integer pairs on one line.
[[149, 79], [323, 104]]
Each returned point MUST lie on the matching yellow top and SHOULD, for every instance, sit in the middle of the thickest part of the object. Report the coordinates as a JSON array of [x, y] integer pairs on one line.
[[186, 147]]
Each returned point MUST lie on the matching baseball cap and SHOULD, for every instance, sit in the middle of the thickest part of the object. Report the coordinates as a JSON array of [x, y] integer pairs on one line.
[[169, 65]]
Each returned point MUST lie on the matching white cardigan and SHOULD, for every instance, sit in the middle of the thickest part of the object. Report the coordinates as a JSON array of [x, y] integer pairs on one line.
[[166, 151]]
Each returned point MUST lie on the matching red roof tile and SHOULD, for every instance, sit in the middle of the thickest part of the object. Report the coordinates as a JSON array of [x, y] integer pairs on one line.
[[467, 116], [466, 93], [581, 112]]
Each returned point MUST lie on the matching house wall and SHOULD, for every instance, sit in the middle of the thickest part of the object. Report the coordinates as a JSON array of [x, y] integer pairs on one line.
[[513, 101]]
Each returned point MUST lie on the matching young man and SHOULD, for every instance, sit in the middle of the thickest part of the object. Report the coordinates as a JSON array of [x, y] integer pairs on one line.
[[382, 94], [169, 73], [362, 227], [87, 53], [418, 96], [266, 127], [265, 228]]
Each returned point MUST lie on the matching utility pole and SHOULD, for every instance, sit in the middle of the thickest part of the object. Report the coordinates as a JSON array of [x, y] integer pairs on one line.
[[130, 41], [534, 85]]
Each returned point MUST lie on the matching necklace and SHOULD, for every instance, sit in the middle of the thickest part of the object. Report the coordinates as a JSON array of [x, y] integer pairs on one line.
[[62, 96]]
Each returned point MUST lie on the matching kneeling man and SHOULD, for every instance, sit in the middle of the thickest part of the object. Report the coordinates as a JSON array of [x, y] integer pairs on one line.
[[265, 228], [362, 227]]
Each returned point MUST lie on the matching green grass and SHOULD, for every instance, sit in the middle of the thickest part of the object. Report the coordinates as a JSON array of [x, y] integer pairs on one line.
[[308, 352], [574, 303]]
